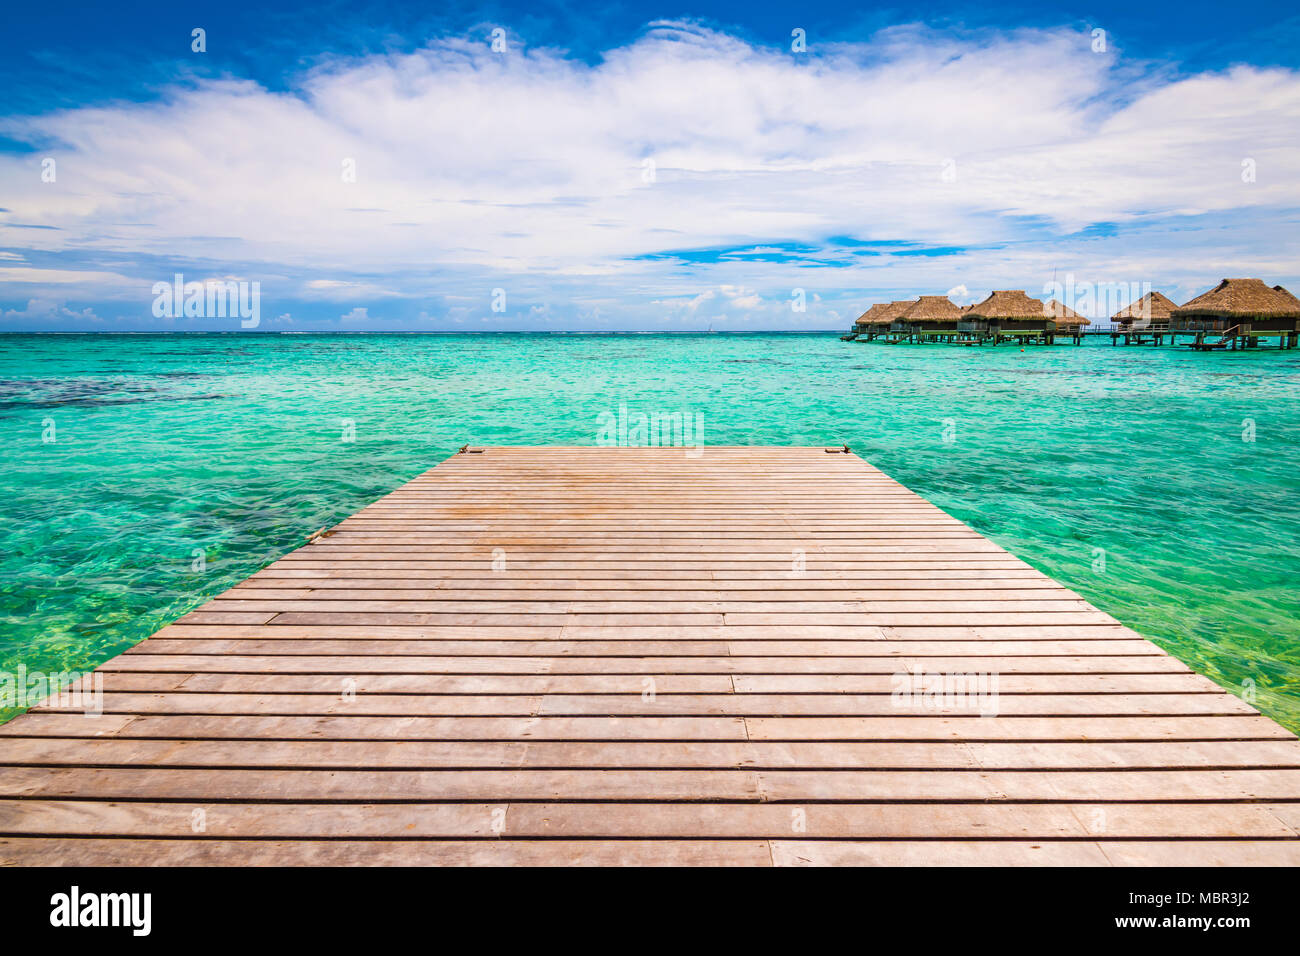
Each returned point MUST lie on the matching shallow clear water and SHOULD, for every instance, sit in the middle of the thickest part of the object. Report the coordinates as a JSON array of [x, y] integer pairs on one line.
[[164, 446]]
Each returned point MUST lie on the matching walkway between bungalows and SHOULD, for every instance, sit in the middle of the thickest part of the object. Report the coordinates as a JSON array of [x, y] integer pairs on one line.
[[622, 655]]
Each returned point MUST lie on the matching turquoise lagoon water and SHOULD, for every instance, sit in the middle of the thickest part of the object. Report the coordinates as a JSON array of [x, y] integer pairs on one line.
[[231, 446]]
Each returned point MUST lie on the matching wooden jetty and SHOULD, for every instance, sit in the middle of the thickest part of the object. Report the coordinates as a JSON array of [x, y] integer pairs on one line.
[[650, 656]]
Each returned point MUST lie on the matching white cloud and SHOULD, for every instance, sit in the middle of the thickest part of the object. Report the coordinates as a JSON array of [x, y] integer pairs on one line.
[[342, 291], [741, 298], [689, 304], [472, 165], [28, 276], [39, 312]]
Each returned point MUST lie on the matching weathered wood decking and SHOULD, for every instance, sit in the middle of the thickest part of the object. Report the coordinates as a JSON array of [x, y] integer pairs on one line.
[[608, 655]]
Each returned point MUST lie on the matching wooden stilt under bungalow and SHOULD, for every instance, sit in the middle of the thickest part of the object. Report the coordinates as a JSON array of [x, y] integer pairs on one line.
[[1237, 314], [1144, 322]]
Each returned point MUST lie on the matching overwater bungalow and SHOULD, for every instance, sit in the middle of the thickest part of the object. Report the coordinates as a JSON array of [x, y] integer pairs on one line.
[[1064, 321], [1237, 313], [1144, 322], [1007, 314], [870, 324], [931, 318]]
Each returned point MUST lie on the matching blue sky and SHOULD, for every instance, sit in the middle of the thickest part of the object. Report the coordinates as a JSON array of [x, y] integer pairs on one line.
[[641, 166]]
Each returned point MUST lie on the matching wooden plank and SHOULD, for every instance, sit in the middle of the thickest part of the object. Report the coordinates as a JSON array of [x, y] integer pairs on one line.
[[1239, 727], [645, 820], [660, 704], [1037, 853], [44, 851], [1236, 727], [404, 727], [539, 656], [549, 664], [475, 784], [113, 752], [659, 681]]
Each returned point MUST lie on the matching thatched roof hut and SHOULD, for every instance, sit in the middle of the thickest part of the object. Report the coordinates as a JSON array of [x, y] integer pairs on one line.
[[873, 315], [932, 308], [1064, 316], [1007, 304], [1154, 306], [1239, 300], [880, 317]]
